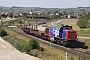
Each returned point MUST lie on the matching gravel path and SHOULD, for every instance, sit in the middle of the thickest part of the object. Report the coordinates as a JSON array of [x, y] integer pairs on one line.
[[8, 52], [84, 37]]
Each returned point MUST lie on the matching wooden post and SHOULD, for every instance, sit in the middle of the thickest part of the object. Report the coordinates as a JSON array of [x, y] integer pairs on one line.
[[66, 56]]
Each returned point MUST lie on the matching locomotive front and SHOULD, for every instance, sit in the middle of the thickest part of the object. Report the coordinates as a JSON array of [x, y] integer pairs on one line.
[[68, 35]]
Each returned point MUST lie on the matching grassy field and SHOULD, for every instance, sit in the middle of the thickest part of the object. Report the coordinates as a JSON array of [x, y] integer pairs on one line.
[[48, 53]]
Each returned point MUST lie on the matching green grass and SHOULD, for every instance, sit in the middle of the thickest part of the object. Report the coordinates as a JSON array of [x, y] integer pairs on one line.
[[84, 33], [17, 22]]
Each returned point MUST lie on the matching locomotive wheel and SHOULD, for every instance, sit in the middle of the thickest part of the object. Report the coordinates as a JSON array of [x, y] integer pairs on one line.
[[48, 38], [55, 40], [63, 43], [42, 36], [58, 42]]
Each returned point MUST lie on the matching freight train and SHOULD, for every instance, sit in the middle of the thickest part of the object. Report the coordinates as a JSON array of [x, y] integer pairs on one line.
[[63, 35]]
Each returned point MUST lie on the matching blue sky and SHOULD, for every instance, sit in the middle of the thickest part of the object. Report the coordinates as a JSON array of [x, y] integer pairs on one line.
[[46, 3]]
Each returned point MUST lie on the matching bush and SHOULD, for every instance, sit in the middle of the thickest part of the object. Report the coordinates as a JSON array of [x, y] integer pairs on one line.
[[33, 44], [2, 32]]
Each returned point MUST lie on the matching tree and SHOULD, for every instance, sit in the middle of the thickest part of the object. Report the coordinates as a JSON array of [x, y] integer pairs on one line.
[[20, 22], [55, 12], [2, 32], [48, 12], [88, 16], [82, 22], [0, 17], [4, 16], [11, 15], [33, 44]]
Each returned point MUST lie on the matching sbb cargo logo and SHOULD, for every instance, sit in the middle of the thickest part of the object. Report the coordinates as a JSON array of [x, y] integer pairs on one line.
[[55, 32]]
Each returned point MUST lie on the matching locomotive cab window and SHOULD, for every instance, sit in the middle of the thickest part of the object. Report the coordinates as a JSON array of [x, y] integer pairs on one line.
[[47, 28], [67, 27]]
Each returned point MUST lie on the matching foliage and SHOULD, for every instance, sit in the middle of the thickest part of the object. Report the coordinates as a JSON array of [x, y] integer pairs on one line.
[[88, 16], [4, 16], [55, 12], [20, 22], [2, 32], [82, 22], [81, 57], [55, 17], [48, 12], [78, 57], [71, 58], [11, 15], [33, 44], [27, 15], [0, 17]]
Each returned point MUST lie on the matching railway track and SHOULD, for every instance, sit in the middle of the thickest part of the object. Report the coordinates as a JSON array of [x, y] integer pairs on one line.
[[75, 51]]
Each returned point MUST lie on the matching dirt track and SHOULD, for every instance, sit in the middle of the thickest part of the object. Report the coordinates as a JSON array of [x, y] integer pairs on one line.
[[8, 52]]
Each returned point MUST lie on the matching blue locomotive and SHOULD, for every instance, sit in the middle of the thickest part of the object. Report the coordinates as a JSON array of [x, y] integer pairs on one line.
[[64, 35]]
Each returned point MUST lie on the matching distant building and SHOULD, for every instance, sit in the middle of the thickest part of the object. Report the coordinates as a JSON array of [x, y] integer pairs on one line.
[[71, 16], [15, 14], [57, 14], [39, 17], [51, 14], [31, 12]]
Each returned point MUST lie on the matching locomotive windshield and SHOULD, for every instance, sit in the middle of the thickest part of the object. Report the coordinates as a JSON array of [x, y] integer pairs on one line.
[[67, 27]]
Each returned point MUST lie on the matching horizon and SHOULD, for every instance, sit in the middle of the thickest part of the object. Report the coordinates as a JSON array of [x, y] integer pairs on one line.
[[43, 7], [45, 3]]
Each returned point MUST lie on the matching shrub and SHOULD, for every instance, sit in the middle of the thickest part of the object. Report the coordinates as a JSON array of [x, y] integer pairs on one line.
[[2, 32], [33, 44]]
